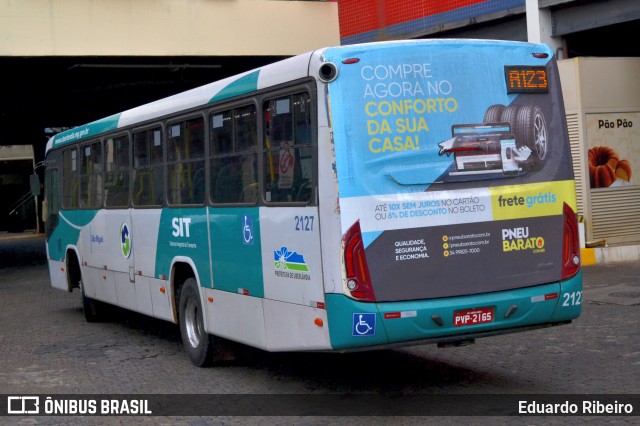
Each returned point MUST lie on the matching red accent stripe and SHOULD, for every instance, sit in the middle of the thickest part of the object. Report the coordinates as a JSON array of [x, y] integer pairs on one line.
[[550, 296]]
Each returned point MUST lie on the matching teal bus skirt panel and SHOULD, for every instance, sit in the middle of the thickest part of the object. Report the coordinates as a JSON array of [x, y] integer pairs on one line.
[[354, 324]]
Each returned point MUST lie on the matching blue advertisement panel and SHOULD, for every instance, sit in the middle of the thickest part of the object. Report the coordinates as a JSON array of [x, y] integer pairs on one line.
[[452, 139]]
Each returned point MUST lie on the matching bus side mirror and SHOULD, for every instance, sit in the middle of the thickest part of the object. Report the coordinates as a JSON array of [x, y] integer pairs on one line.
[[34, 184]]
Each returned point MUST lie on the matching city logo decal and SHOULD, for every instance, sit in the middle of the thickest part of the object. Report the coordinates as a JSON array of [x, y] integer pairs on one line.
[[290, 264], [285, 259], [125, 240]]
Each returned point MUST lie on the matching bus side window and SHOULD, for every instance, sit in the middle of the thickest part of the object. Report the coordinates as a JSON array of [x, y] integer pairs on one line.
[[287, 150], [185, 159], [70, 179], [246, 144], [117, 171], [148, 186], [234, 156], [91, 176]]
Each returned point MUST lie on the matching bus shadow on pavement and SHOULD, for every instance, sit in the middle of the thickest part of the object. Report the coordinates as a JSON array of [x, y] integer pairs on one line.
[[385, 371]]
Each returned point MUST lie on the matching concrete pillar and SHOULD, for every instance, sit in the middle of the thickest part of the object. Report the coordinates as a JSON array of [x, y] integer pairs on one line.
[[540, 26]]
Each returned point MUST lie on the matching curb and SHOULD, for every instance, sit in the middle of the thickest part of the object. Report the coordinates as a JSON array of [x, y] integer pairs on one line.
[[617, 254], [5, 236]]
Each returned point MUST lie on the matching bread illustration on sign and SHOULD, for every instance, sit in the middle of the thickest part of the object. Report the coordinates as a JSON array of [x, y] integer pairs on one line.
[[605, 167]]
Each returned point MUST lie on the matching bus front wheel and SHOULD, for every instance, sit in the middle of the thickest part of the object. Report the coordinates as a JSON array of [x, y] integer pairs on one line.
[[94, 310], [197, 343]]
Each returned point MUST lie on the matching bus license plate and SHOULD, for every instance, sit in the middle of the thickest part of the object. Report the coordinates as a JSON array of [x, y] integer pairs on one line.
[[473, 316]]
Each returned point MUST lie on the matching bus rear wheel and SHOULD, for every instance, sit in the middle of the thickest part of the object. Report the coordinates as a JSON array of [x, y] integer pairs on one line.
[[197, 343]]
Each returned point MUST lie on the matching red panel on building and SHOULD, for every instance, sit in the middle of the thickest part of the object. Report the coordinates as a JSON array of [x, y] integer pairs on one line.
[[359, 16]]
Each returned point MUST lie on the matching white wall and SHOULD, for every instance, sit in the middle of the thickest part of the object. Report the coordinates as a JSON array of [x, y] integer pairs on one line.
[[605, 89], [165, 27]]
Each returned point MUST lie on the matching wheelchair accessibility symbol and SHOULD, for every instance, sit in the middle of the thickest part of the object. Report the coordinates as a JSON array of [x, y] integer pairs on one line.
[[247, 230], [364, 324]]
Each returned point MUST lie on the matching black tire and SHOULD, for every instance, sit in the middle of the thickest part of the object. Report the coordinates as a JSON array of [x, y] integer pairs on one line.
[[531, 130], [494, 114], [509, 153], [509, 115], [196, 341], [94, 310]]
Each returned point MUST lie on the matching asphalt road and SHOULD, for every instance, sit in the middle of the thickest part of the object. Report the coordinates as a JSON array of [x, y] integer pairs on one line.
[[46, 347]]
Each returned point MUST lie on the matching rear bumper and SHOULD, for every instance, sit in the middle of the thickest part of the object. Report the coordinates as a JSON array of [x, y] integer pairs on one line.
[[354, 324]]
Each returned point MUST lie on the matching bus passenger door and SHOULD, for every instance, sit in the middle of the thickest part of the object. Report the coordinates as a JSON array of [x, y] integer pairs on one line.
[[289, 222], [291, 261]]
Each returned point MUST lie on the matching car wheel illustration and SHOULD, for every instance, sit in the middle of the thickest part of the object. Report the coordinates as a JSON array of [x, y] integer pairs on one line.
[[494, 113], [509, 153], [531, 131], [509, 115]]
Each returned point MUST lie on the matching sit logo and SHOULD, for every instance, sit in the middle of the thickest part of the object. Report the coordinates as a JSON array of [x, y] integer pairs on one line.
[[181, 226]]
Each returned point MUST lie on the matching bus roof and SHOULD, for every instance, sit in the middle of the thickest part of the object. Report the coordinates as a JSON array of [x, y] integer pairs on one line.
[[269, 75], [279, 72]]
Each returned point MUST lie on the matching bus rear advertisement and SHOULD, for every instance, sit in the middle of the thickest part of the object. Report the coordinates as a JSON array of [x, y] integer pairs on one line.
[[350, 198]]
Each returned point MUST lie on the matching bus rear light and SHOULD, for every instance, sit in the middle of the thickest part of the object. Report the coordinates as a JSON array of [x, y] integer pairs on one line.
[[355, 265], [570, 244], [540, 55], [349, 61], [350, 250]]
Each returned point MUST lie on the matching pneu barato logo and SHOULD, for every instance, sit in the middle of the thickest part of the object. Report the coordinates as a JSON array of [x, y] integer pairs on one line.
[[518, 239]]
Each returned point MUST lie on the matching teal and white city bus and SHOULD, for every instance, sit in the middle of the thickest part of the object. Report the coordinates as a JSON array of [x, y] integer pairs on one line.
[[349, 198]]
